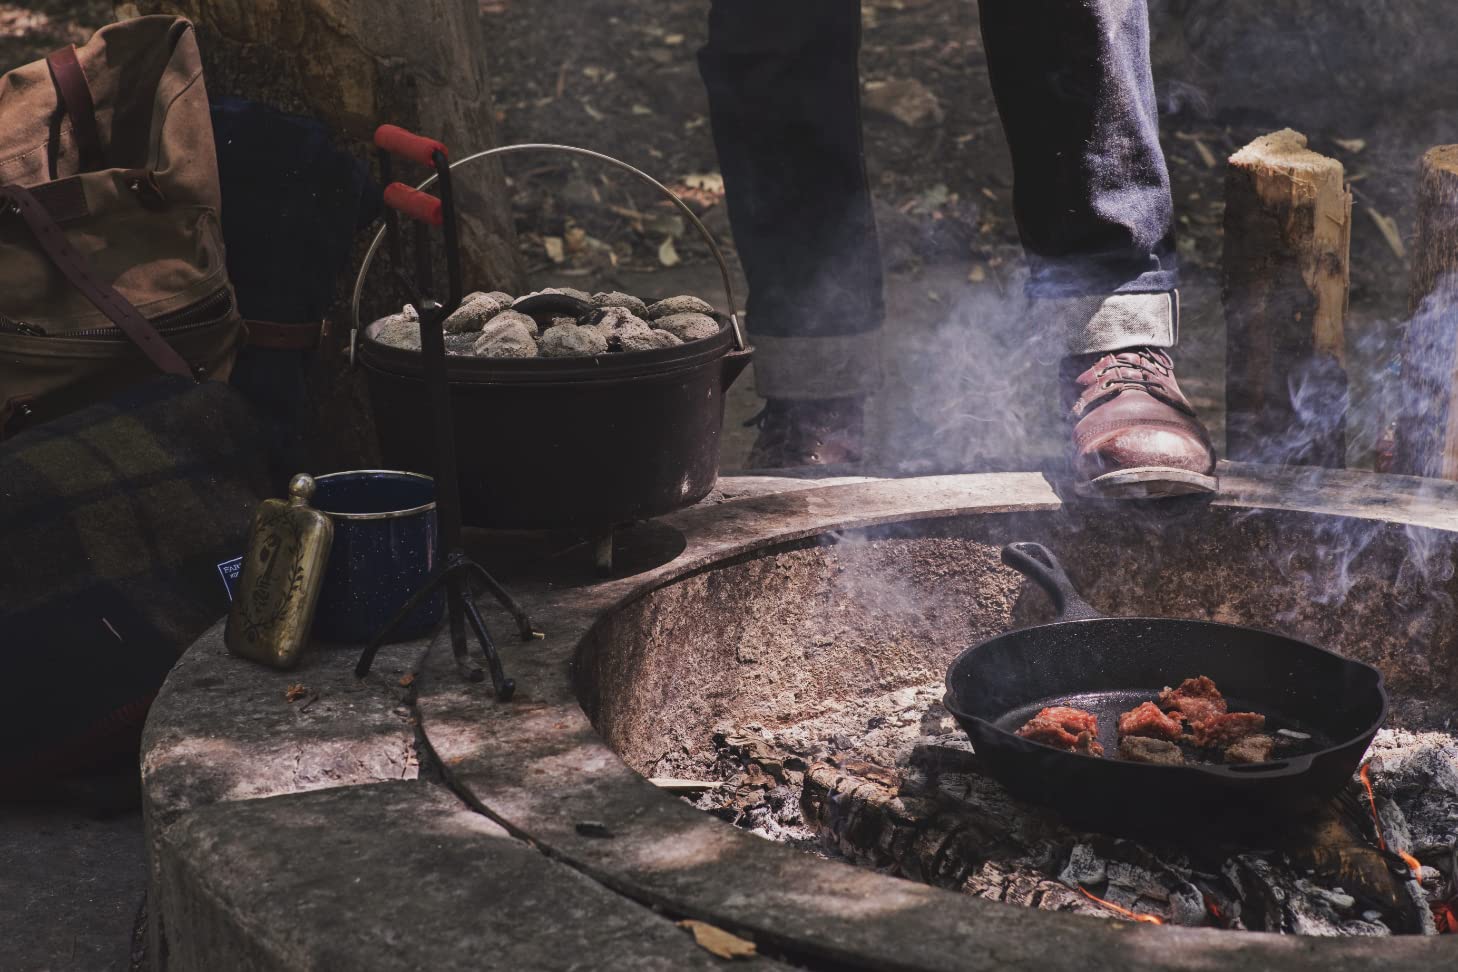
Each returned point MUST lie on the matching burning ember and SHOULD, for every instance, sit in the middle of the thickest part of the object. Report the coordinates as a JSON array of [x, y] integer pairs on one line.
[[891, 784], [1413, 864], [1127, 913], [1445, 919]]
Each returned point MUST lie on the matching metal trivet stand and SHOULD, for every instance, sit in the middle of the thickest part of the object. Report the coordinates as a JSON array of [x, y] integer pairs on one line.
[[456, 568]]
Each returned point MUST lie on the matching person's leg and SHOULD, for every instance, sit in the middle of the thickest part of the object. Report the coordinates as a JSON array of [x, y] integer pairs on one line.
[[1074, 89], [784, 102]]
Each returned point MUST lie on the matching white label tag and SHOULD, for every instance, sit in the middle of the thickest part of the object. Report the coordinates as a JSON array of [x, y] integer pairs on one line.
[[229, 571]]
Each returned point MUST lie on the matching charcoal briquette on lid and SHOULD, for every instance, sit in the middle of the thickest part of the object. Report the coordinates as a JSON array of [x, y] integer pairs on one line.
[[617, 299], [682, 304], [512, 339], [570, 340]]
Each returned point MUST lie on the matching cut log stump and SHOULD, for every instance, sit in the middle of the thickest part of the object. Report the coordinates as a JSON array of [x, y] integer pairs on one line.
[[1427, 424], [1288, 217]]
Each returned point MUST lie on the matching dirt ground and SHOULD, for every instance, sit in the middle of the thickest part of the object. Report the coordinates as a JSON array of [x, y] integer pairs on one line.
[[968, 380], [629, 87]]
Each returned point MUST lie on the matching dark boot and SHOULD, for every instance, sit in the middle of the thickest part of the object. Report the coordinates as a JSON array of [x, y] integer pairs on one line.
[[1135, 435], [816, 432]]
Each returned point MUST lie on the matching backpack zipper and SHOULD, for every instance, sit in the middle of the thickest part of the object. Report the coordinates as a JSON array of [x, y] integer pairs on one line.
[[205, 312]]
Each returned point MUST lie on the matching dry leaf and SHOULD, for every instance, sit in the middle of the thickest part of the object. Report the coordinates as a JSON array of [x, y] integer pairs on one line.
[[711, 182], [661, 222], [407, 680], [977, 274], [699, 197], [641, 110], [1206, 156], [1387, 226], [556, 252], [1353, 145], [296, 691], [905, 99], [673, 39], [668, 253], [717, 941]]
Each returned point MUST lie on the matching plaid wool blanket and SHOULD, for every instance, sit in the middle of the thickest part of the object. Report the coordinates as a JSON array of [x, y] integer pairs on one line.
[[113, 521]]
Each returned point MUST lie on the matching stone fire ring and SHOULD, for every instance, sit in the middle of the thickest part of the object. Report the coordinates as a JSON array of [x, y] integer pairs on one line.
[[408, 821]]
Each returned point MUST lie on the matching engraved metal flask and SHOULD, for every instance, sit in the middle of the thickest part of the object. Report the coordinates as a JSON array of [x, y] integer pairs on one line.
[[283, 571]]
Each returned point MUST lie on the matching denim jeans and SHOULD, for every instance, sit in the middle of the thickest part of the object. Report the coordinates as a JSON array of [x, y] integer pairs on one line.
[[1091, 191]]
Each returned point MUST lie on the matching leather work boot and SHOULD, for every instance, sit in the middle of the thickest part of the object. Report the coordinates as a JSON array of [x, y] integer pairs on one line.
[[1135, 435], [819, 432]]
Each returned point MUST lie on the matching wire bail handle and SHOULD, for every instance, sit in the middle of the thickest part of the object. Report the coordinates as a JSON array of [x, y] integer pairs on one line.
[[411, 149]]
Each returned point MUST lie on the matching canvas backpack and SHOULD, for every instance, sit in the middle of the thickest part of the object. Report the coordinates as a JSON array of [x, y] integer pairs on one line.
[[111, 249]]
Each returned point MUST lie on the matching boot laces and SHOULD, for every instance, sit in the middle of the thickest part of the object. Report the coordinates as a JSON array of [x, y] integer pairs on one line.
[[1140, 369]]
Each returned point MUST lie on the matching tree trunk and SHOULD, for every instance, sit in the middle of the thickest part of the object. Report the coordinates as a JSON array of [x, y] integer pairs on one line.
[[1287, 236], [419, 64], [1427, 436]]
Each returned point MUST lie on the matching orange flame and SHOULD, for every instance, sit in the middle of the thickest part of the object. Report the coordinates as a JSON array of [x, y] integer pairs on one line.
[[1148, 919], [1372, 802], [1444, 916], [1413, 864]]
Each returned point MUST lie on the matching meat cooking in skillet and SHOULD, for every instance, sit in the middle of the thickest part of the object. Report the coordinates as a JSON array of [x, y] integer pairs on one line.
[[1147, 720], [1142, 749], [1196, 699], [1071, 719], [1194, 714], [1252, 749], [1227, 728], [1064, 727]]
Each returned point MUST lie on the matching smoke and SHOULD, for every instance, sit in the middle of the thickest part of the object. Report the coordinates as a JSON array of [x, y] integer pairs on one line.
[[971, 387], [974, 388]]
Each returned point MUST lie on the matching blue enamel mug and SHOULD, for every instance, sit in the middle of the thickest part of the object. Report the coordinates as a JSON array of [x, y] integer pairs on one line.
[[385, 546]]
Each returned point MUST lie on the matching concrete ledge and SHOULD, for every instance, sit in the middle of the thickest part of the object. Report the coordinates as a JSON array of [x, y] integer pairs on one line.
[[392, 876], [223, 729], [232, 733]]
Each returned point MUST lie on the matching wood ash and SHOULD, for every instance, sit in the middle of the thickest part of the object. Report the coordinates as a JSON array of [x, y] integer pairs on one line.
[[892, 783]]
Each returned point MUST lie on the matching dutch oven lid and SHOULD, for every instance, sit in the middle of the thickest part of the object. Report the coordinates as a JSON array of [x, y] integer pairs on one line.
[[614, 366], [609, 367]]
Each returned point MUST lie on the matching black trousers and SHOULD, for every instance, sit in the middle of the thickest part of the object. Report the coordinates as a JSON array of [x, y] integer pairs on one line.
[[1091, 191]]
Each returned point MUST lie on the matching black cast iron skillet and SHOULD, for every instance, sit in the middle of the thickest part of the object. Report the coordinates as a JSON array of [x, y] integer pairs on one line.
[[1110, 665]]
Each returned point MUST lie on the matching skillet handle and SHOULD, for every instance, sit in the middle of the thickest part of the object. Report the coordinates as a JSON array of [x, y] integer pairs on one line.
[[1035, 561]]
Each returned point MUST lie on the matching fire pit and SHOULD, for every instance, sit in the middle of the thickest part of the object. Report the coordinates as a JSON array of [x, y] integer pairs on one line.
[[798, 695], [780, 667]]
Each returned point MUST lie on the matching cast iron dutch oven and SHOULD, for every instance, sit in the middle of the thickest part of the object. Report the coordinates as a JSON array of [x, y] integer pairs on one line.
[[1110, 665], [554, 443]]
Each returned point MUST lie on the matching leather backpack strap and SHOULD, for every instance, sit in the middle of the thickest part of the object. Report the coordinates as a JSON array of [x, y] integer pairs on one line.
[[75, 95], [106, 298]]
